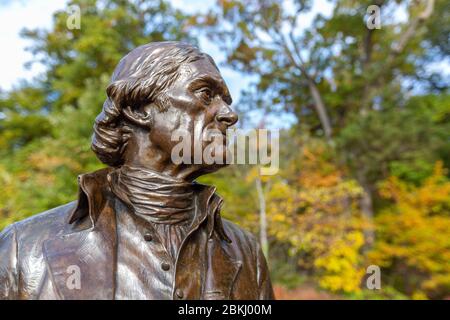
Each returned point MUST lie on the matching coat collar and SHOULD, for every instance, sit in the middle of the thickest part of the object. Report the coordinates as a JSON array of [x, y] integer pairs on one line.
[[88, 247], [94, 191]]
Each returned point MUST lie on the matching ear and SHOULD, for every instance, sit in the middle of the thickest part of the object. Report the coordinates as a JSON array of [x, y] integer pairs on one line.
[[141, 118]]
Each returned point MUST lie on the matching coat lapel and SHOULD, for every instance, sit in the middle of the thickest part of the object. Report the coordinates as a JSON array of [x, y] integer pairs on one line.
[[222, 271], [82, 263], [205, 269], [223, 268]]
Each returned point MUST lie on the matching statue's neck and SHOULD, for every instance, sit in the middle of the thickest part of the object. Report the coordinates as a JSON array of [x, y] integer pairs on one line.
[[155, 197]]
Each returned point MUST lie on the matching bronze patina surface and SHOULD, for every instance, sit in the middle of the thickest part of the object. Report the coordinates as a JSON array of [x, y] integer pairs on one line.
[[142, 228]]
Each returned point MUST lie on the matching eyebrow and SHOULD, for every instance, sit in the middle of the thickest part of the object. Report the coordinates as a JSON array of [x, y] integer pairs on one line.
[[214, 82]]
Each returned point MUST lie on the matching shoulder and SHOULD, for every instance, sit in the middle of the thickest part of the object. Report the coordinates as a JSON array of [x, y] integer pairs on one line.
[[241, 237], [21, 255], [39, 226]]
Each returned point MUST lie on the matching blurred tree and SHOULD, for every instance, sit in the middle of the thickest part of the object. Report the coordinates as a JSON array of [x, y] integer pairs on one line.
[[413, 246], [335, 74], [314, 208], [402, 141]]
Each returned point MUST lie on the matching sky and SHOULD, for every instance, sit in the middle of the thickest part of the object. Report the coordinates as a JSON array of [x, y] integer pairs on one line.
[[14, 16]]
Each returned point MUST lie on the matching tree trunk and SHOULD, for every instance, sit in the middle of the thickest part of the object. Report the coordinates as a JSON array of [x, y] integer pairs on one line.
[[320, 109], [367, 212], [319, 105], [262, 218]]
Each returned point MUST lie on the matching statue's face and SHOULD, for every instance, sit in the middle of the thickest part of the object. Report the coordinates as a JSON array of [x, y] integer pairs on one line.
[[198, 105]]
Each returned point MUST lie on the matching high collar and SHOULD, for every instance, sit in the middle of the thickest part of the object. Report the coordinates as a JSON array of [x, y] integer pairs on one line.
[[94, 193], [154, 197]]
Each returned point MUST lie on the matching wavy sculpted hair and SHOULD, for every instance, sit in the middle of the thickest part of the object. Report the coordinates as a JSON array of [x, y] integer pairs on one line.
[[140, 78]]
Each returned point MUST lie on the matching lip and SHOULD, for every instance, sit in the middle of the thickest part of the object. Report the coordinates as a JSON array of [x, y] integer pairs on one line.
[[216, 132], [224, 136], [219, 134]]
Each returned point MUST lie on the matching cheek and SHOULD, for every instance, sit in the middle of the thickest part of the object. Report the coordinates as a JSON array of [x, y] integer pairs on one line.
[[186, 116], [169, 126], [161, 132], [210, 115]]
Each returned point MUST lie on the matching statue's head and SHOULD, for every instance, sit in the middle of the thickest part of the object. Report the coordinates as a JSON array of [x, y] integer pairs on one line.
[[155, 90]]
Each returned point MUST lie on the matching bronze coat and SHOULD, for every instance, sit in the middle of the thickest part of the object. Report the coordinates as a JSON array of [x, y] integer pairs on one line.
[[218, 260]]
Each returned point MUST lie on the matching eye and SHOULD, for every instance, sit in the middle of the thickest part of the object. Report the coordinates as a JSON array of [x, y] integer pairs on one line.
[[205, 94]]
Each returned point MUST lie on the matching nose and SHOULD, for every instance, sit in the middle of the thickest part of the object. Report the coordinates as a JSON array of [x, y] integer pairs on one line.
[[227, 116]]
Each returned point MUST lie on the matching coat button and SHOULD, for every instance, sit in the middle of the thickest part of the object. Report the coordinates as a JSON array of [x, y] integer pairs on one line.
[[148, 236], [165, 266], [179, 293]]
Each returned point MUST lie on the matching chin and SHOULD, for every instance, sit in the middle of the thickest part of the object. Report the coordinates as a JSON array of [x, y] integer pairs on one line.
[[214, 167], [206, 169]]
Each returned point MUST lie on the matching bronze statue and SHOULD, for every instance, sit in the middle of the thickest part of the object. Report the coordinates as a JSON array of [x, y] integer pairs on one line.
[[142, 228]]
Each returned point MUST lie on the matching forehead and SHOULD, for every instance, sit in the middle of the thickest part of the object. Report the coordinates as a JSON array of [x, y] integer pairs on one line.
[[201, 68]]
